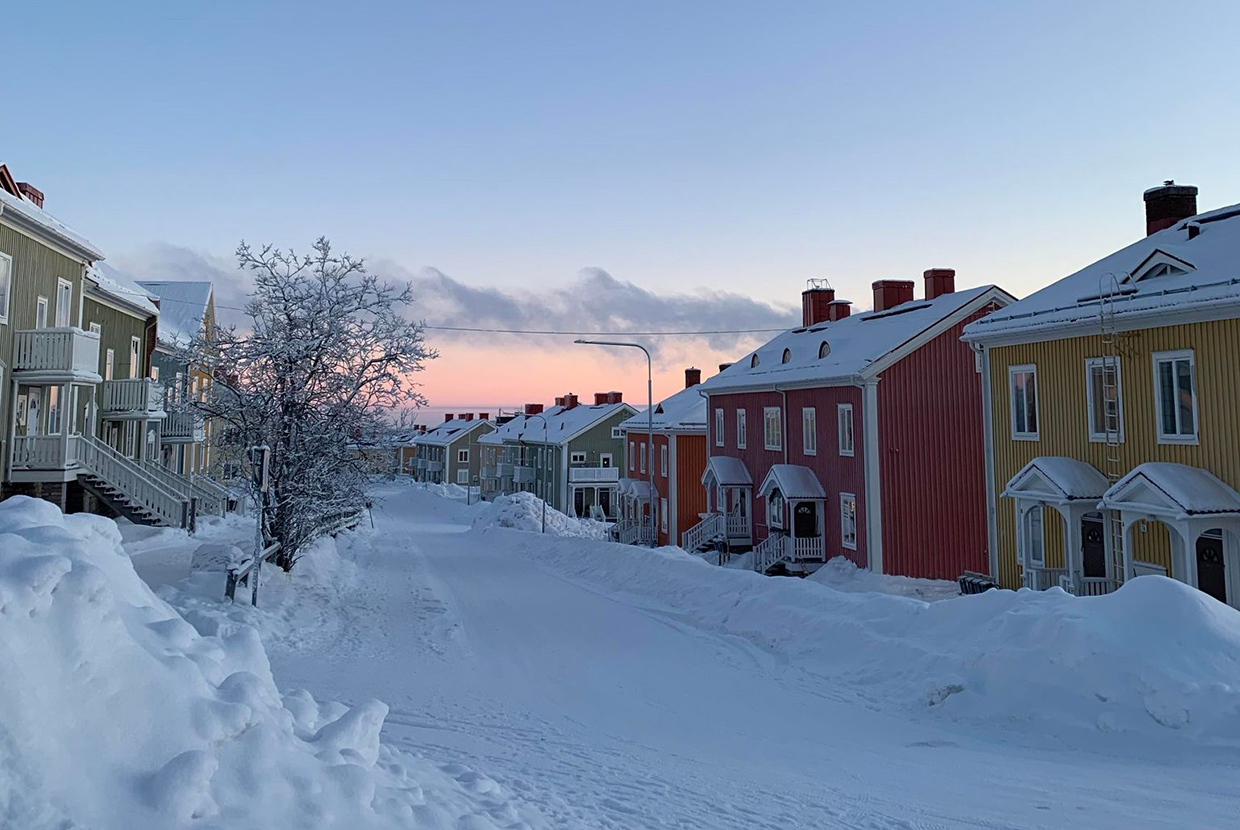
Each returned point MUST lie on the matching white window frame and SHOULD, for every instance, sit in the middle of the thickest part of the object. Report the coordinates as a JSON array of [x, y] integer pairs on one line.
[[1092, 363], [577, 458], [663, 459], [109, 364], [604, 459], [718, 427], [617, 432], [154, 372], [772, 428], [847, 438], [64, 288], [462, 477], [1027, 435], [55, 410], [95, 328], [41, 307], [741, 427], [1175, 356], [632, 457], [462, 456], [809, 430], [1026, 537], [663, 515], [6, 286], [848, 535], [641, 454], [135, 356]]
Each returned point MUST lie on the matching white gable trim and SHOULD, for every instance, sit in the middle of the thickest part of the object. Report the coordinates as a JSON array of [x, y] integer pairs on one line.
[[995, 294]]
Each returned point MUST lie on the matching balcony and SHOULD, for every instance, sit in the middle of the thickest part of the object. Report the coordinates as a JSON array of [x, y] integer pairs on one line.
[[132, 399], [45, 452], [183, 427], [56, 354], [523, 475], [434, 466], [585, 475], [503, 470], [487, 471]]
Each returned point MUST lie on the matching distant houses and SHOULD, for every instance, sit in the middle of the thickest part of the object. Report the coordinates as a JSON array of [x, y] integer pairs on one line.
[[448, 453]]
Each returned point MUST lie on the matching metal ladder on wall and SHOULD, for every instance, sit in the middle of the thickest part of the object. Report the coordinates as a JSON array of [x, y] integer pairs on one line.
[[1108, 288]]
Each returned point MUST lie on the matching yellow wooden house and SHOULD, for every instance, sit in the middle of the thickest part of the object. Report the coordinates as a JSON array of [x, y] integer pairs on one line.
[[1113, 413]]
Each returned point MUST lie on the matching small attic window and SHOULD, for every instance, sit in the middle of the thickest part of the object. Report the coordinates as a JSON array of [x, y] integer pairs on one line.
[[1165, 269], [753, 361], [824, 349], [787, 358], [1160, 264]]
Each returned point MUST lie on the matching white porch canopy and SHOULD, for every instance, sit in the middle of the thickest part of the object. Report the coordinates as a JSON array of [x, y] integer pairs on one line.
[[1057, 480], [726, 471], [1188, 500], [636, 488], [795, 482]]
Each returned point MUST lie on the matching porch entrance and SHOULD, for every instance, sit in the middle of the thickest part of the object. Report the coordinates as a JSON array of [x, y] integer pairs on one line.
[[1093, 546], [1211, 565]]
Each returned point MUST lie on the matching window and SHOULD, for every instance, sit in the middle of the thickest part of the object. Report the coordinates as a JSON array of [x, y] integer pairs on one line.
[[135, 356], [1034, 542], [663, 460], [154, 373], [663, 515], [632, 456], [772, 432], [642, 456], [740, 429], [848, 520], [1106, 413], [64, 301], [843, 413], [787, 356], [109, 364], [40, 313], [718, 427], [1024, 389], [577, 458], [604, 459], [53, 410], [617, 432], [462, 476], [809, 430], [95, 328], [462, 456], [6, 285], [824, 349], [1175, 397], [753, 361]]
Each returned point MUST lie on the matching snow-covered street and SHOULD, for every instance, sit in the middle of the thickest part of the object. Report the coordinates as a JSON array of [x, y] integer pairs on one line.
[[604, 709]]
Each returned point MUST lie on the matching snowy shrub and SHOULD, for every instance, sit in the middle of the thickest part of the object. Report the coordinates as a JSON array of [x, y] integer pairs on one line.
[[524, 511]]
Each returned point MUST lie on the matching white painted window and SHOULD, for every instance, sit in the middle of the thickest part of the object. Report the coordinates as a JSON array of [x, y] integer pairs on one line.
[[53, 410], [718, 427], [844, 415], [604, 459], [462, 476], [772, 429], [109, 364], [632, 456], [64, 302], [642, 456], [663, 515], [617, 432], [462, 456], [6, 285], [40, 313], [1105, 399], [95, 328], [1023, 383], [1035, 543], [577, 458], [154, 372], [1175, 397], [848, 520], [663, 460], [809, 430], [135, 356], [741, 429]]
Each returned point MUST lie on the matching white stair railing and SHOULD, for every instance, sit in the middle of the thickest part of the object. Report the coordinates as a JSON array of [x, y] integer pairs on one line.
[[212, 498], [769, 551], [702, 532], [128, 477]]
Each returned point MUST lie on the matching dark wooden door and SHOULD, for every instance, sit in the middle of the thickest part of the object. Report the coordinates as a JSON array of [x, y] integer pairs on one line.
[[1093, 547], [805, 519], [1211, 572]]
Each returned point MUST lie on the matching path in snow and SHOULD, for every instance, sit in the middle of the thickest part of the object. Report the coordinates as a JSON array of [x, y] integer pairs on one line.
[[614, 716]]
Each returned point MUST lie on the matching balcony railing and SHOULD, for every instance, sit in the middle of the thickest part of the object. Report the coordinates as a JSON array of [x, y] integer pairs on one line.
[[738, 526], [140, 397], [44, 452], [523, 475], [434, 466], [807, 548], [486, 471], [593, 474], [64, 350], [504, 469], [183, 427]]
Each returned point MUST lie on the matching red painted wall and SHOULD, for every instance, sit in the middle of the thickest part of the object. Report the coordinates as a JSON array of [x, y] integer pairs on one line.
[[932, 461], [690, 495]]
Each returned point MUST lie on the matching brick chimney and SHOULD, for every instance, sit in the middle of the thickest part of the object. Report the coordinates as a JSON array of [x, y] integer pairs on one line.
[[723, 366], [939, 281], [838, 310], [559, 401], [570, 401], [816, 303], [890, 293], [615, 397], [31, 192], [1167, 204], [600, 398], [484, 416], [692, 377], [533, 409], [468, 416], [448, 416]]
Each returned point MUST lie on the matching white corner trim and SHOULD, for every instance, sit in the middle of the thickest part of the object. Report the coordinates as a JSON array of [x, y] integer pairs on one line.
[[873, 490]]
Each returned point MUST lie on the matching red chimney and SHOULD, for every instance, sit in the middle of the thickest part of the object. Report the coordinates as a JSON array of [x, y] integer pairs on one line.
[[890, 293], [723, 366], [533, 409], [570, 400], [692, 377], [816, 303], [838, 310], [448, 416], [600, 398], [939, 281], [31, 192], [468, 416], [615, 397], [559, 401], [484, 416], [1167, 204]]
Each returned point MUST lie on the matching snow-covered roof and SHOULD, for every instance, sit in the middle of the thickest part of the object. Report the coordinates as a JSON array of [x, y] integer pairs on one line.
[[726, 471], [684, 411], [507, 430], [24, 210], [1201, 256], [450, 431], [1163, 484], [794, 482], [120, 287], [637, 488], [1063, 478], [851, 345], [182, 309], [563, 424]]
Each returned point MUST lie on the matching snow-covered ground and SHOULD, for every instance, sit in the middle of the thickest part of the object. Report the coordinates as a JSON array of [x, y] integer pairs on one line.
[[563, 681]]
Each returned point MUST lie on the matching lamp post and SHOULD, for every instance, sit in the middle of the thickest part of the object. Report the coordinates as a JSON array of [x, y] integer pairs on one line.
[[649, 419], [542, 478]]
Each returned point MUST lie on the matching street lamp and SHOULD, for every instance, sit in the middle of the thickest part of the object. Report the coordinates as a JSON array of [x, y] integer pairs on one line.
[[542, 478], [649, 419]]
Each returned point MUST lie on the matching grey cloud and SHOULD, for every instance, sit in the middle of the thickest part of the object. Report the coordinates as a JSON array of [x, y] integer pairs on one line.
[[164, 261]]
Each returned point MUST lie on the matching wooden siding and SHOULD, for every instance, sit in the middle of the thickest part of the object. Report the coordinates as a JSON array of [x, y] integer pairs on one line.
[[115, 330], [690, 495], [932, 461], [1063, 412]]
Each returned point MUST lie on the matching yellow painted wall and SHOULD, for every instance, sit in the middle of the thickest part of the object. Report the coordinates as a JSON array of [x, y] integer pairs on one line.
[[1063, 415]]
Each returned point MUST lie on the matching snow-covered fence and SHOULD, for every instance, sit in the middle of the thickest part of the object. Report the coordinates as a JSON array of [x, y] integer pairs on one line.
[[247, 572]]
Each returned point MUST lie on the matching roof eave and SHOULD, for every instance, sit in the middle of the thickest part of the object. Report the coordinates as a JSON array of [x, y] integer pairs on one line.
[[75, 249]]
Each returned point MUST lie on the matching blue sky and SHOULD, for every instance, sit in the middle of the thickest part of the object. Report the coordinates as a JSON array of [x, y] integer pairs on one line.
[[678, 145]]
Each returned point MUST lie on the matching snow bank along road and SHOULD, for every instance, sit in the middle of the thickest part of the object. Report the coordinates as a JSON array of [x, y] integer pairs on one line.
[[560, 668]]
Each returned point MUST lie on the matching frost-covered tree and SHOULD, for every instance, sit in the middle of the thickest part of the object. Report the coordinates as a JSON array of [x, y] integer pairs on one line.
[[328, 355]]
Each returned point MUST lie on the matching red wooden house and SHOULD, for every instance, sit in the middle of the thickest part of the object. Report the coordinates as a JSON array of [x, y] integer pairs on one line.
[[856, 435]]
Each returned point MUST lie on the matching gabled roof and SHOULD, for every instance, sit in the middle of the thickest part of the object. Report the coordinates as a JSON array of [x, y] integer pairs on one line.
[[182, 309], [637, 488], [563, 425], [855, 346], [507, 430], [1057, 479], [26, 214], [794, 481], [726, 471], [1206, 247], [450, 431], [118, 286], [1165, 488], [683, 412]]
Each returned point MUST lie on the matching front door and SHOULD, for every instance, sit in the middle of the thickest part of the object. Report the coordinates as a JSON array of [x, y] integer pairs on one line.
[[33, 405], [1211, 571], [604, 500], [805, 520], [579, 501], [1093, 547]]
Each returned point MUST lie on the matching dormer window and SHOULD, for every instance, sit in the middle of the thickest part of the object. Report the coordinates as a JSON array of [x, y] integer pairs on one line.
[[753, 361], [787, 358], [824, 349], [1159, 264]]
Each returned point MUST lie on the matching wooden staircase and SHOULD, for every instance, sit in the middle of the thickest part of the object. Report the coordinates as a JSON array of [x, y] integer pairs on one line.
[[129, 489]]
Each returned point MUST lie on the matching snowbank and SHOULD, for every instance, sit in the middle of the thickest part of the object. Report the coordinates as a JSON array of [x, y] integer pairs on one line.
[[116, 712], [1157, 657], [841, 574], [524, 511]]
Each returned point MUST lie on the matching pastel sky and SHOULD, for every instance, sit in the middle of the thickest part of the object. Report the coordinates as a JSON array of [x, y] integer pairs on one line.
[[637, 165]]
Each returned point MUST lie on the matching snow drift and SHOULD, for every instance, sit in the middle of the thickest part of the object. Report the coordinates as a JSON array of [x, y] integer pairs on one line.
[[524, 511], [1157, 657], [116, 712]]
